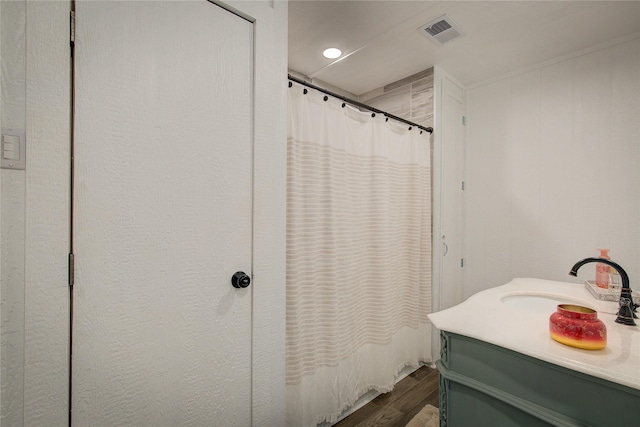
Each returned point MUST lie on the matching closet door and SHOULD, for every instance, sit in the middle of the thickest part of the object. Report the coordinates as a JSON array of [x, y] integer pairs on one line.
[[162, 215], [452, 210]]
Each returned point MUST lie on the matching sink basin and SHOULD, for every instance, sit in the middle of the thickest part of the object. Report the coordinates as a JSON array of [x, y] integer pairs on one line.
[[539, 302]]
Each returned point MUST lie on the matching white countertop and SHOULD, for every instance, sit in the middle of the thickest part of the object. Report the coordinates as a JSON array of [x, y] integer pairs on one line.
[[485, 317]]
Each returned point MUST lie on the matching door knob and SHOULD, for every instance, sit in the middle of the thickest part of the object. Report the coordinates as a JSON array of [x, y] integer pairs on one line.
[[444, 245], [240, 279]]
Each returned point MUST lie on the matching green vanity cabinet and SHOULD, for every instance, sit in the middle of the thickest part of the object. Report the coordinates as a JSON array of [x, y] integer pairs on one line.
[[483, 384]]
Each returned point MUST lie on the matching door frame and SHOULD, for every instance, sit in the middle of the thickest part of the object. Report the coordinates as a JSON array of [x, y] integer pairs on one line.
[[269, 220]]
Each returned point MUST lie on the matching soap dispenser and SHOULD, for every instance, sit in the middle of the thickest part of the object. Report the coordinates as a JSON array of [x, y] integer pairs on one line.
[[602, 270]]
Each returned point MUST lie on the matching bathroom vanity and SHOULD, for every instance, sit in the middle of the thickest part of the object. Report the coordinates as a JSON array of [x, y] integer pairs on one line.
[[500, 367]]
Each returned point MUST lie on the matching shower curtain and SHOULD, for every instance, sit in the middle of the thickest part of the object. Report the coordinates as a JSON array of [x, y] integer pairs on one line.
[[358, 254]]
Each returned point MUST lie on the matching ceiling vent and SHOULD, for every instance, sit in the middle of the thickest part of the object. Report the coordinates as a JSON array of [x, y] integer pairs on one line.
[[442, 30]]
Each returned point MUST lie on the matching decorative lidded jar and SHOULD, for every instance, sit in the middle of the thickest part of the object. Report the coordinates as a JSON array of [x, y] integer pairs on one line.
[[578, 326]]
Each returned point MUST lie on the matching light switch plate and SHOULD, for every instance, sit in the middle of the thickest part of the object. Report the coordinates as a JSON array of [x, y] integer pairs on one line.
[[13, 149]]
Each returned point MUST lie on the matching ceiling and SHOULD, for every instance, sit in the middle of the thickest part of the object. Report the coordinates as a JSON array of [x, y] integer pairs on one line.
[[381, 42]]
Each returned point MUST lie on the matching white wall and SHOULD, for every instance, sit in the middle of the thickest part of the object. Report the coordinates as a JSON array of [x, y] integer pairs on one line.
[[12, 217], [35, 215], [553, 169], [35, 212]]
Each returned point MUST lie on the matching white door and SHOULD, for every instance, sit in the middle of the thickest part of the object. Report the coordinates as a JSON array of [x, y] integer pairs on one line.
[[452, 212], [162, 215]]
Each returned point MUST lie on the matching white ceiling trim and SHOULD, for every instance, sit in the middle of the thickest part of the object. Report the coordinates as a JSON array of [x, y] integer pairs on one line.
[[572, 55]]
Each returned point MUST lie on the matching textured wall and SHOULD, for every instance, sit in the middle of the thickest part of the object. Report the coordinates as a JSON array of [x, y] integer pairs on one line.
[[35, 215], [12, 218], [47, 214], [553, 166]]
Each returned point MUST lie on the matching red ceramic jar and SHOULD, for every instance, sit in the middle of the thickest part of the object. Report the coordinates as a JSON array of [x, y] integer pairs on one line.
[[578, 326]]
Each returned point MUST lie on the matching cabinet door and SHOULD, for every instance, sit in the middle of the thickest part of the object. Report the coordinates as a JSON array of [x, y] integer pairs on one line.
[[162, 215]]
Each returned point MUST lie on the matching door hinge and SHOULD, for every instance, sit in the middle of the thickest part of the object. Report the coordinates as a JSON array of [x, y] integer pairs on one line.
[[464, 121], [461, 262], [71, 270], [72, 21]]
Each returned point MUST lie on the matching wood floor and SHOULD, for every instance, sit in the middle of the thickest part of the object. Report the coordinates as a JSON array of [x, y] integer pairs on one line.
[[396, 408]]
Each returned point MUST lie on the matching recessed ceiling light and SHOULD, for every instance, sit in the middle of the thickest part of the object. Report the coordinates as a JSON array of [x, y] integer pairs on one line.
[[332, 53]]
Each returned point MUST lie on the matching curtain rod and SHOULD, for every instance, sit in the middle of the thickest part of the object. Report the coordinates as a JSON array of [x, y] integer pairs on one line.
[[356, 103]]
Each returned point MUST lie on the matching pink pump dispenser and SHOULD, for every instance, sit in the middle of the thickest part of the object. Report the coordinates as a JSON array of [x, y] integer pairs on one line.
[[602, 270]]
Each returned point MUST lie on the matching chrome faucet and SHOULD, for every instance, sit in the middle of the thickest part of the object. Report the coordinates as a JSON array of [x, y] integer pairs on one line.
[[626, 312]]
